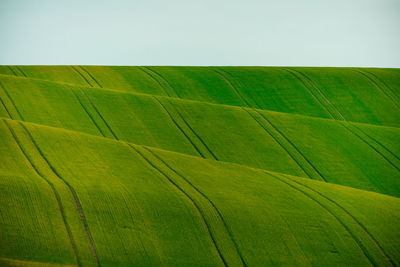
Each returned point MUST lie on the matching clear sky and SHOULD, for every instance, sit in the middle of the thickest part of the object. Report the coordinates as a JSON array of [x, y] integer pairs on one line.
[[201, 32]]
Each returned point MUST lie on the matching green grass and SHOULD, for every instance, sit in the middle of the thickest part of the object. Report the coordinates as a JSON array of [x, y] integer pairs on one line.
[[199, 166], [359, 97]]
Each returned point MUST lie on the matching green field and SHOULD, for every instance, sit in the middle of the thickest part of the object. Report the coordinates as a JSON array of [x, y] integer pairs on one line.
[[199, 166]]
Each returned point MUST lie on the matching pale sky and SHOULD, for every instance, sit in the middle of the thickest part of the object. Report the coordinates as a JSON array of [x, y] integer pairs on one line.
[[201, 32]]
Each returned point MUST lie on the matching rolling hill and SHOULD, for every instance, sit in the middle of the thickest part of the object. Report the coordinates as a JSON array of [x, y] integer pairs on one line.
[[199, 166]]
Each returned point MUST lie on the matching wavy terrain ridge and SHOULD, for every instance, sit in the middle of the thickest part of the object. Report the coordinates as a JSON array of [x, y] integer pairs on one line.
[[199, 166]]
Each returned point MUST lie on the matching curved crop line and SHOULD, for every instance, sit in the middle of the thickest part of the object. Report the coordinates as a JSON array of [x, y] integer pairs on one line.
[[87, 112], [207, 198], [257, 105], [187, 195], [20, 115], [98, 113], [291, 72], [244, 101], [179, 127], [15, 74], [377, 86], [9, 115], [346, 122], [321, 94], [55, 192], [193, 131], [91, 76], [20, 70], [184, 99], [11, 100], [241, 85], [147, 71], [165, 80], [71, 189], [368, 136], [290, 142], [376, 243], [376, 141], [361, 246], [382, 81], [276, 140], [348, 128], [287, 151], [371, 146], [80, 74]]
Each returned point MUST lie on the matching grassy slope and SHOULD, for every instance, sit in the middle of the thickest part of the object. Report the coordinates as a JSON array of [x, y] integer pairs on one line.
[[280, 142], [354, 96], [219, 210]]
